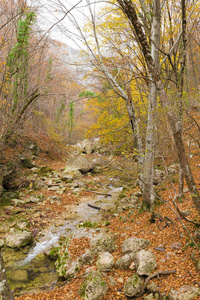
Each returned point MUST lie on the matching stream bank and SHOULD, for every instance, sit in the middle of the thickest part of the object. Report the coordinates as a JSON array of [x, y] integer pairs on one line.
[[51, 206]]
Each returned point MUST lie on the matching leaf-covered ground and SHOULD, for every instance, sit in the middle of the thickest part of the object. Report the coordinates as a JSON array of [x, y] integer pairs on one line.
[[166, 232]]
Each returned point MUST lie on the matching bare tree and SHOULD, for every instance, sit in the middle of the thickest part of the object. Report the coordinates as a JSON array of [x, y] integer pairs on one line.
[[129, 10]]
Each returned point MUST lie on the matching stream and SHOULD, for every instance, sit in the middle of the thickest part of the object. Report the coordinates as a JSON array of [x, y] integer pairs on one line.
[[32, 269]]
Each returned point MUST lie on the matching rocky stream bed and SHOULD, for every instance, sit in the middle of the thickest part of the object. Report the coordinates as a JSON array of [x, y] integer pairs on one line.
[[73, 205]]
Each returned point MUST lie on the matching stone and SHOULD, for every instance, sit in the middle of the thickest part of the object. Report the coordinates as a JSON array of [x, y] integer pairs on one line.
[[79, 163], [161, 249], [152, 287], [112, 281], [83, 232], [172, 169], [19, 276], [54, 188], [145, 262], [105, 261], [185, 213], [149, 297], [26, 162], [120, 280], [186, 292], [18, 201], [36, 199], [197, 234], [94, 288], [103, 242], [123, 262], [70, 175], [73, 268], [158, 176], [19, 238], [63, 261], [138, 194], [22, 224], [1, 243], [133, 285], [176, 245], [133, 245], [128, 202], [40, 184], [132, 266], [87, 257]]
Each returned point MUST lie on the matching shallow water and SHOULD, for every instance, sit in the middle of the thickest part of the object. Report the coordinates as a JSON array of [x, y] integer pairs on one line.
[[40, 269]]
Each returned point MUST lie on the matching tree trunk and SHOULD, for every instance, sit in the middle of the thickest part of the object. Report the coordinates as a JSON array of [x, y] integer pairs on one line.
[[148, 169], [5, 292], [129, 10]]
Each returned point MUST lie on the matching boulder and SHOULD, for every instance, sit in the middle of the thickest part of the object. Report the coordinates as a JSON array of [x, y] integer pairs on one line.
[[152, 287], [19, 276], [173, 168], [129, 202], [72, 269], [18, 238], [133, 285], [40, 184], [79, 163], [123, 262], [26, 162], [63, 261], [87, 257], [36, 198], [133, 245], [145, 262], [186, 292], [86, 146], [159, 175], [197, 234], [103, 242], [149, 297], [94, 288], [105, 261], [70, 175]]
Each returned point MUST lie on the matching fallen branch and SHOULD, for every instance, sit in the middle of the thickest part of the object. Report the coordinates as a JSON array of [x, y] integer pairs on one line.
[[182, 214], [156, 274], [98, 193], [96, 207]]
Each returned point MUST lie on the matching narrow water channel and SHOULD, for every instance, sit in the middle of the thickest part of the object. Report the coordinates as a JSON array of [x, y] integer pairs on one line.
[[31, 269]]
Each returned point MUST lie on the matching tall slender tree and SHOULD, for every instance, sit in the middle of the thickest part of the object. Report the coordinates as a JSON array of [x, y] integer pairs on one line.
[[129, 10]]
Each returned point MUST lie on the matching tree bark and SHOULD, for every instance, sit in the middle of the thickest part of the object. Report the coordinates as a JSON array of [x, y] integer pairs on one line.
[[148, 169], [129, 10], [5, 292]]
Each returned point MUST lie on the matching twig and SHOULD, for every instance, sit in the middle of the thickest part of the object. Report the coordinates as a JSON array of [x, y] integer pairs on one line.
[[169, 219], [158, 273]]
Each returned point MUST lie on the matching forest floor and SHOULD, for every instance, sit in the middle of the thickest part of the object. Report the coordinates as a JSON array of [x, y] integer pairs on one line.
[[168, 232]]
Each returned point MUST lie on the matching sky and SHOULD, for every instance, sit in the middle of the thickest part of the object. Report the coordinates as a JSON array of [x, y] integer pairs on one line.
[[51, 11]]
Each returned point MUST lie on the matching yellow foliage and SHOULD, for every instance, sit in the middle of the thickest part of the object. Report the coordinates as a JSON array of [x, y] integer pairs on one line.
[[112, 120]]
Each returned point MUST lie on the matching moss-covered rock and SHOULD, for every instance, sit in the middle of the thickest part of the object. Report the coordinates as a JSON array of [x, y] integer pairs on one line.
[[103, 242], [145, 262], [18, 276], [133, 245], [186, 292], [94, 288], [133, 285], [19, 238]]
